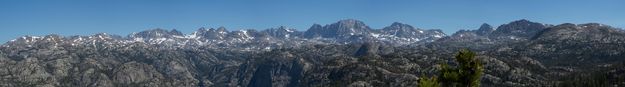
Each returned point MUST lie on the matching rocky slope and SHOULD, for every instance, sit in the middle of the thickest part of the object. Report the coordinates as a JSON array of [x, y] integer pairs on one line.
[[346, 53]]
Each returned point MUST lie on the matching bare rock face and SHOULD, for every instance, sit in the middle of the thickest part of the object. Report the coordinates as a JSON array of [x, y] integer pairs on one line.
[[28, 72], [518, 30], [179, 73], [137, 74], [91, 77]]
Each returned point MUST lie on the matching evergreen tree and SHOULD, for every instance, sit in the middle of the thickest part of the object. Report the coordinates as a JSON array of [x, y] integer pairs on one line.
[[429, 82], [467, 74]]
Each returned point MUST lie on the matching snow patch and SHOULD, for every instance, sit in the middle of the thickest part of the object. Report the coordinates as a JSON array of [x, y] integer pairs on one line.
[[161, 40], [93, 43], [375, 35], [176, 36], [30, 38], [79, 39], [158, 34], [35, 37], [244, 31], [138, 39], [439, 36], [514, 38], [192, 36], [222, 32]]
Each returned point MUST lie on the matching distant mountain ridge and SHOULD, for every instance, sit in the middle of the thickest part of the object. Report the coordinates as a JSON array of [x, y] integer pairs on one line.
[[341, 32], [348, 31]]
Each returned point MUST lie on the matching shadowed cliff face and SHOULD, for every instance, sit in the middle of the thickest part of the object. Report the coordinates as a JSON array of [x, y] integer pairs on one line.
[[542, 55]]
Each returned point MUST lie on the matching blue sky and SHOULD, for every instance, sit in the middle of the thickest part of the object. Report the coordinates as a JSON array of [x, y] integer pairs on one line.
[[121, 17]]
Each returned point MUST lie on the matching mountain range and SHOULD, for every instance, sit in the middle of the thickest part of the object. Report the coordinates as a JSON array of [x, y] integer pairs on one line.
[[345, 53]]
